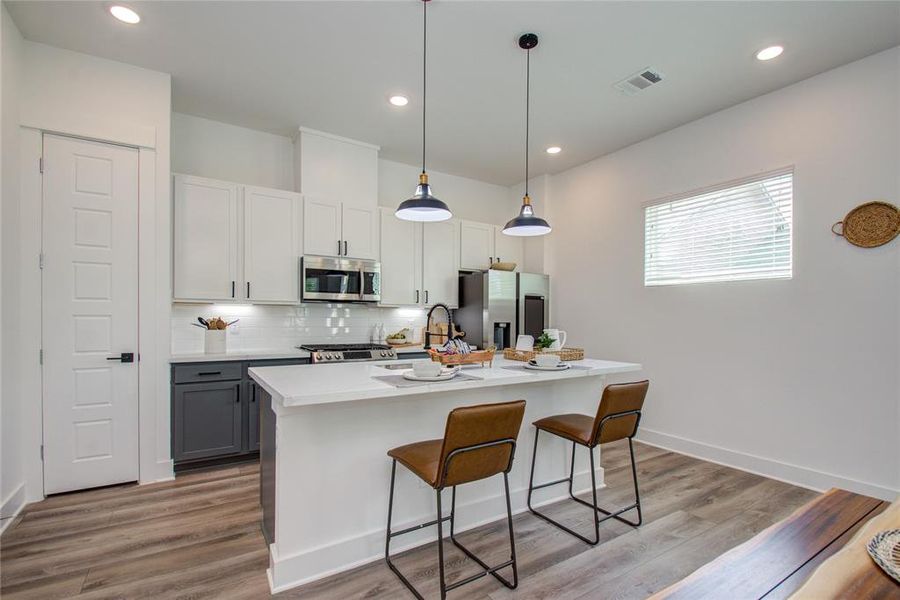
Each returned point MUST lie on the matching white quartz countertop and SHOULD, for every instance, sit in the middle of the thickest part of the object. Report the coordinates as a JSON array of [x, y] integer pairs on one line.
[[306, 385]]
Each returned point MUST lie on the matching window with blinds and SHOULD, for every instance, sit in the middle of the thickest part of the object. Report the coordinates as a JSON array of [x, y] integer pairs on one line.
[[738, 231]]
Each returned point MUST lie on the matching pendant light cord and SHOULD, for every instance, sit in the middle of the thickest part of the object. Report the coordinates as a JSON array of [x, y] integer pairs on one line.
[[527, 110], [424, 72]]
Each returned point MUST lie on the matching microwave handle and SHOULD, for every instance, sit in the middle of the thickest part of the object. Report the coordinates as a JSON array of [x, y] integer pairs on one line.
[[362, 283]]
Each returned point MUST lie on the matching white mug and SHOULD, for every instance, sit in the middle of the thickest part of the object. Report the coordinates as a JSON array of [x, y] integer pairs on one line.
[[525, 343], [559, 336]]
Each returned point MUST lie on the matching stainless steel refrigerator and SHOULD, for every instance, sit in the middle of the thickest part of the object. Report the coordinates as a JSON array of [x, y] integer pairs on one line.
[[495, 307]]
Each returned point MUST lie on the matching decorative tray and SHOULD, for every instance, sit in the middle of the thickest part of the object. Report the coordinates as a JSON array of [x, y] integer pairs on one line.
[[472, 358], [884, 549], [565, 355]]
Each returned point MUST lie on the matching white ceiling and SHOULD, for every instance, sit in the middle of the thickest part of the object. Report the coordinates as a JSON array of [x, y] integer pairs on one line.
[[331, 65]]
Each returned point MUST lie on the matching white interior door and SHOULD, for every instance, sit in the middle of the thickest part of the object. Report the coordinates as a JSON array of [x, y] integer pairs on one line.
[[89, 314], [271, 245]]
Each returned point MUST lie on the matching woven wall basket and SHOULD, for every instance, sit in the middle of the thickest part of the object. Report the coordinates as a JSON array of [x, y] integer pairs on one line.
[[869, 225]]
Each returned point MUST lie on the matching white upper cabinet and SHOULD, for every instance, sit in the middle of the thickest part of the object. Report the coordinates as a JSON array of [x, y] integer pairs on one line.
[[206, 234], [359, 231], [401, 260], [476, 246], [508, 248], [272, 226], [322, 226], [440, 260]]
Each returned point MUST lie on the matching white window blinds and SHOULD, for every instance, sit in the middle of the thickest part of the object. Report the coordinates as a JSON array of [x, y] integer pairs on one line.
[[738, 231]]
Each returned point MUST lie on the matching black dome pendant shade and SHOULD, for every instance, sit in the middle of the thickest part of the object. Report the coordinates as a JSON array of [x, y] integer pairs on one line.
[[526, 224], [423, 206]]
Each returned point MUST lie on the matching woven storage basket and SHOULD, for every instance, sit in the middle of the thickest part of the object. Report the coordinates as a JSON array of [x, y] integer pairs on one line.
[[472, 358], [565, 355], [869, 225]]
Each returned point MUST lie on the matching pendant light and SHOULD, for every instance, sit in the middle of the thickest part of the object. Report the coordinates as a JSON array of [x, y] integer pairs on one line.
[[423, 206], [526, 224]]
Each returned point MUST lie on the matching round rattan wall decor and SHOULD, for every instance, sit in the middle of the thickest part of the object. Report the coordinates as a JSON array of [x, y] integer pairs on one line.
[[869, 225]]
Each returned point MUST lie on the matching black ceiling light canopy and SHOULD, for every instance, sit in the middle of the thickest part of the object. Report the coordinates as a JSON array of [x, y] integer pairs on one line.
[[423, 206], [526, 223]]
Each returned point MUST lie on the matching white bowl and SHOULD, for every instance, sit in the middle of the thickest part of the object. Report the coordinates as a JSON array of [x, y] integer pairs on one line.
[[427, 368]]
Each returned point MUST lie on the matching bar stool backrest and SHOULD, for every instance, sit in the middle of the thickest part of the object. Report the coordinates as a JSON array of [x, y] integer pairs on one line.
[[619, 398], [479, 441]]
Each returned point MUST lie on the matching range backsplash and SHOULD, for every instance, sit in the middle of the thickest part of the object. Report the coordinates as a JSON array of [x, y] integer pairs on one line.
[[280, 328]]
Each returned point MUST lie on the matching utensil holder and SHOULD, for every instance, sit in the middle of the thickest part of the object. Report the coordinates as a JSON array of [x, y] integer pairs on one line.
[[215, 341]]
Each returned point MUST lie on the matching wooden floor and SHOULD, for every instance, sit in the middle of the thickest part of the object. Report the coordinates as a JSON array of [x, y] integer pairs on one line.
[[198, 537]]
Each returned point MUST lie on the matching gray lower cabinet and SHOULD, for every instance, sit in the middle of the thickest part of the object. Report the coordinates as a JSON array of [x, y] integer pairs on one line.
[[215, 411], [207, 419]]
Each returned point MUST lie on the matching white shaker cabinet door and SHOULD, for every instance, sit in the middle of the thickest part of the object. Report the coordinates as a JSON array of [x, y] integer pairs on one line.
[[272, 227], [321, 226], [476, 246], [401, 260], [508, 248], [359, 232], [440, 263], [206, 239]]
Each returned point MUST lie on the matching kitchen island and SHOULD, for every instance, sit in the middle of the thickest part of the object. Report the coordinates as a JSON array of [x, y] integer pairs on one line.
[[326, 430]]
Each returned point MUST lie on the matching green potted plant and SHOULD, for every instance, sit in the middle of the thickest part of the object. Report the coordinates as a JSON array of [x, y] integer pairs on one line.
[[543, 342]]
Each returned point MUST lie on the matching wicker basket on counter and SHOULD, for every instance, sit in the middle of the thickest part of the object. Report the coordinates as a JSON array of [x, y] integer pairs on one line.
[[565, 355], [472, 358]]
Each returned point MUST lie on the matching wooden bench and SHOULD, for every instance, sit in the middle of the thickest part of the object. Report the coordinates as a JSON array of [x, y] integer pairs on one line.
[[776, 562]]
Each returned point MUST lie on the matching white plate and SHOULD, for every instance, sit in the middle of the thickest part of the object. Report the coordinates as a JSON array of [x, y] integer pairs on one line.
[[559, 367], [446, 375]]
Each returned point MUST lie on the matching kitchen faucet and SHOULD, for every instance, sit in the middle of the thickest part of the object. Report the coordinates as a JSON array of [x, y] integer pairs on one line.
[[428, 333]]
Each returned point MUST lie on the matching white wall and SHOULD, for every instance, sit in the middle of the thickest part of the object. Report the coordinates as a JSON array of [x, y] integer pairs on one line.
[[12, 478], [795, 378], [221, 151], [76, 94]]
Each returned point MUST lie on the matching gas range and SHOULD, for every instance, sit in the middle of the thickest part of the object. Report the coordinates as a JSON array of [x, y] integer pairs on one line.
[[335, 353]]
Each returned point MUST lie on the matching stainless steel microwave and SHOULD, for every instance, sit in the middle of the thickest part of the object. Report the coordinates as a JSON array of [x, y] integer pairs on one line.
[[327, 279]]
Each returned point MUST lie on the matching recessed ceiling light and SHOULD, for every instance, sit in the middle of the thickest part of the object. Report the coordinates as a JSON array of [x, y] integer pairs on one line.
[[399, 100], [769, 53], [124, 14], [554, 150]]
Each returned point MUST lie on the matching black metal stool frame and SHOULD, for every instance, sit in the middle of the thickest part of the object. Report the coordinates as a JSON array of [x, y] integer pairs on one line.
[[595, 508], [441, 519]]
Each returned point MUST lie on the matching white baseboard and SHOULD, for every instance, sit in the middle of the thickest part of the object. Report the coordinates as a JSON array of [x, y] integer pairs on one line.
[[163, 471], [12, 506], [287, 572], [767, 467]]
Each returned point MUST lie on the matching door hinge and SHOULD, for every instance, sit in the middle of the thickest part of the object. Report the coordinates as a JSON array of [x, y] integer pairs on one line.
[[41, 260], [41, 164]]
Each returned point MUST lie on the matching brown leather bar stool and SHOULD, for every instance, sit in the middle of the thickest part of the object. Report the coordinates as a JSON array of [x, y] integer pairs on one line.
[[617, 418], [479, 442]]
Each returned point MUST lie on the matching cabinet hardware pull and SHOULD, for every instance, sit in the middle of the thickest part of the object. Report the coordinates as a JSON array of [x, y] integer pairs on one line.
[[417, 296], [426, 296], [232, 289], [339, 247], [248, 290], [237, 396], [208, 373], [498, 259], [345, 247], [253, 392], [490, 259]]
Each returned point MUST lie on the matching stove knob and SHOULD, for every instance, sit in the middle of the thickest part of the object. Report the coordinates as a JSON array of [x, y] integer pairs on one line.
[[383, 353], [390, 352], [327, 356]]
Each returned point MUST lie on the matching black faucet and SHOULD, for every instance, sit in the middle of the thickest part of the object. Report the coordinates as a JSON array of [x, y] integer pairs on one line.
[[428, 333]]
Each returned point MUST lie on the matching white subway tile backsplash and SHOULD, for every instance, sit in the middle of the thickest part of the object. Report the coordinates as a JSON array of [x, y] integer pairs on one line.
[[280, 328]]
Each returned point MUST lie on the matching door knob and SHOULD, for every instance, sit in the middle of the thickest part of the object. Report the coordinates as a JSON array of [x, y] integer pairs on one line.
[[125, 357]]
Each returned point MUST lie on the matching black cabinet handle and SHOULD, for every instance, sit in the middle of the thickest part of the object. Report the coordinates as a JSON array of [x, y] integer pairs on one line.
[[125, 357], [417, 296], [232, 289], [237, 393], [253, 392], [345, 247], [248, 290], [208, 373], [339, 247], [490, 259], [426, 296], [498, 259]]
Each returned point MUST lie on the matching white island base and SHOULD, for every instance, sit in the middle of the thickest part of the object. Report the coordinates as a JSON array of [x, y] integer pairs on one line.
[[325, 473]]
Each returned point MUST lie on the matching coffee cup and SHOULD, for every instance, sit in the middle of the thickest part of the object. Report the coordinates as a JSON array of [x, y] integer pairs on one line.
[[427, 368], [547, 360]]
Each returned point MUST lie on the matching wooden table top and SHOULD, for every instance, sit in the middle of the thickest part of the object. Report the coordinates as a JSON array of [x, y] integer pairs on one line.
[[775, 563]]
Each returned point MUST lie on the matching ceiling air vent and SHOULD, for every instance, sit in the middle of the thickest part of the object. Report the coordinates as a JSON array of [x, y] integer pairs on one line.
[[641, 80]]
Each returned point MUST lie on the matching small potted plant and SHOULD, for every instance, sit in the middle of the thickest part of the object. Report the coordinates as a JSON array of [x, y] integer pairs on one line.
[[543, 342]]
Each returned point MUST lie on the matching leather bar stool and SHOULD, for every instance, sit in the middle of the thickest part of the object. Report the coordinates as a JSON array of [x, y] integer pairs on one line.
[[617, 418], [479, 442]]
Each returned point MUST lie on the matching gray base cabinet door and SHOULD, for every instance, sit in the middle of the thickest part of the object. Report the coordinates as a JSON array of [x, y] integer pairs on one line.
[[253, 417], [207, 420]]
